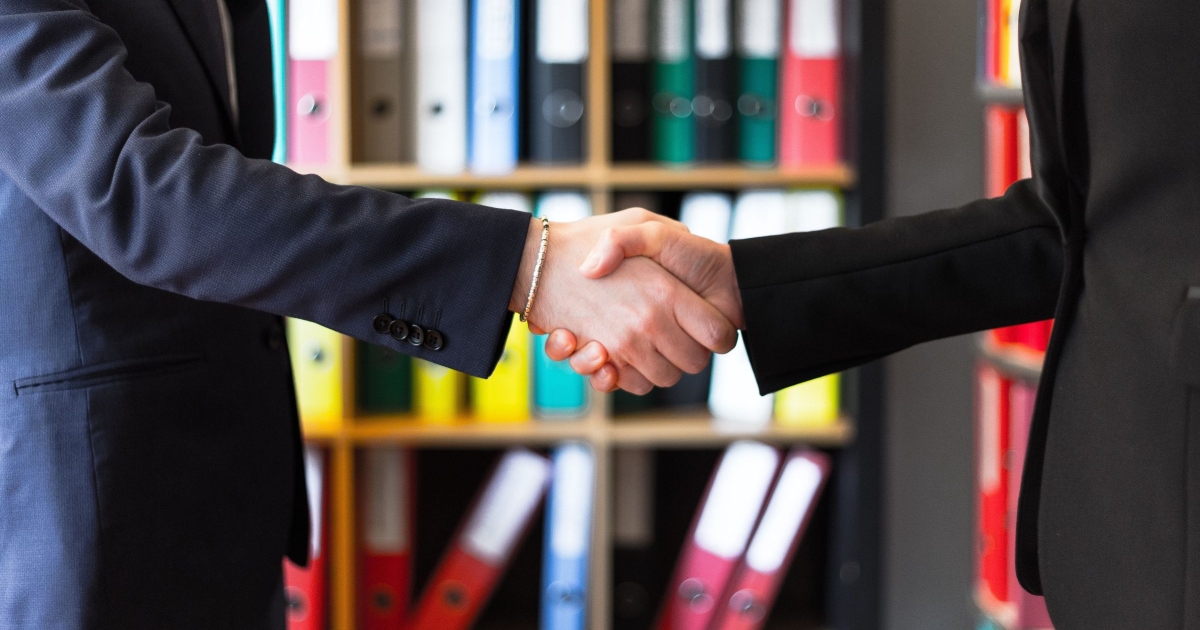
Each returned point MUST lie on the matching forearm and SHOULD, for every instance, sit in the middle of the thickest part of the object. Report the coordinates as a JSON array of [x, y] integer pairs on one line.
[[822, 302]]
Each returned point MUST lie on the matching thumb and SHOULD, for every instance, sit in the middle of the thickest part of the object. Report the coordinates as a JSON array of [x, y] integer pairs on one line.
[[617, 244]]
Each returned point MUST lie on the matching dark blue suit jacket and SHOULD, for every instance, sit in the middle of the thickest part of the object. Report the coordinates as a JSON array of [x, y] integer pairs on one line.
[[149, 446]]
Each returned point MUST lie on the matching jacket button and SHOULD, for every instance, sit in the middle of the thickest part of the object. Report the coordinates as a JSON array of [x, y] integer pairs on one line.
[[433, 340], [416, 335], [382, 323], [398, 329]]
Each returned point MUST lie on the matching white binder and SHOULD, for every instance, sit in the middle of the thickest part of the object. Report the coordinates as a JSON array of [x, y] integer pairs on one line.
[[441, 38]]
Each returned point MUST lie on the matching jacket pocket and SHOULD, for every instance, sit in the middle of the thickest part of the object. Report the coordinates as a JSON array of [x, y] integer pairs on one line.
[[107, 372], [1185, 340]]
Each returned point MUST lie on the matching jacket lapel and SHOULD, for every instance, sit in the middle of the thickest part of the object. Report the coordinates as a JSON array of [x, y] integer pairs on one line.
[[202, 24]]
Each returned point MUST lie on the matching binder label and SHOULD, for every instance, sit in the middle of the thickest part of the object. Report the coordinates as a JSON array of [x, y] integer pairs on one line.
[[314, 478], [735, 499], [572, 501], [760, 29], [497, 26], [387, 493], [707, 215], [989, 430], [382, 34], [631, 30], [712, 29], [312, 29], [562, 31], [672, 30], [814, 28], [795, 492], [510, 497]]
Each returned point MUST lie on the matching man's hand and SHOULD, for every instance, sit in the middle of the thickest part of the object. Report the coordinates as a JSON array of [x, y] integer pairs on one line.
[[643, 320], [701, 264]]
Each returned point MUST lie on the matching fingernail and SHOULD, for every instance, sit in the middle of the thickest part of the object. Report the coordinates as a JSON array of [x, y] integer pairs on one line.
[[590, 263], [591, 354]]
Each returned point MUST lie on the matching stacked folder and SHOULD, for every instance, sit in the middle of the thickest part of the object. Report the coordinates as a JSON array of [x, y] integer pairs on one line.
[[447, 84], [744, 535], [1004, 414], [755, 81], [1006, 161]]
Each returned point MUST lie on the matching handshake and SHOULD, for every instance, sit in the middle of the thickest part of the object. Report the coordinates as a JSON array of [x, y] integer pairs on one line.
[[633, 299]]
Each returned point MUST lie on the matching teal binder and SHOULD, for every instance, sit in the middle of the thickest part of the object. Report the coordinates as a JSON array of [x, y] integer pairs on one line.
[[277, 14], [674, 84], [757, 110], [558, 392]]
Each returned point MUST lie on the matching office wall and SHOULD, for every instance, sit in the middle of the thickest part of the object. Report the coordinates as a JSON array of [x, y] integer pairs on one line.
[[934, 161]]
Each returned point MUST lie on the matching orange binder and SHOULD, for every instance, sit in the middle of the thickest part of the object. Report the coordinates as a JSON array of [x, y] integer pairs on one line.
[[306, 588], [471, 568], [386, 543], [719, 535], [755, 584]]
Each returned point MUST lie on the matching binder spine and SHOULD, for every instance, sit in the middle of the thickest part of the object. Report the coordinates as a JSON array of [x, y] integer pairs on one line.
[[631, 85], [494, 93], [277, 14], [557, 112], [713, 108], [674, 84], [757, 107]]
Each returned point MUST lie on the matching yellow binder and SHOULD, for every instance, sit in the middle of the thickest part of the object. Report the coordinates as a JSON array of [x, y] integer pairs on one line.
[[316, 354], [813, 404], [436, 392], [504, 397]]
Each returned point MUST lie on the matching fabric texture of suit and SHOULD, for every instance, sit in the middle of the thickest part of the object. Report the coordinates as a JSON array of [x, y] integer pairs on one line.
[[1103, 239], [149, 445]]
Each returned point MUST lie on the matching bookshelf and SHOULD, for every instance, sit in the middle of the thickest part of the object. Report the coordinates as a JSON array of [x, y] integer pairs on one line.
[[851, 570]]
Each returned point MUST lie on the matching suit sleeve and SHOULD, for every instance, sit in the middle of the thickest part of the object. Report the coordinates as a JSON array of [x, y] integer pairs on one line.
[[821, 302], [93, 149]]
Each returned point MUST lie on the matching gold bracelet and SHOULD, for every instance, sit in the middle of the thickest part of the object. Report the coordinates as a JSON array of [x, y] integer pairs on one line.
[[537, 269]]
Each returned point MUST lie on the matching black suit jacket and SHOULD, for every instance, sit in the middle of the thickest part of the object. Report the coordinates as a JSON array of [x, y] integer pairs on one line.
[[1103, 239], [149, 446]]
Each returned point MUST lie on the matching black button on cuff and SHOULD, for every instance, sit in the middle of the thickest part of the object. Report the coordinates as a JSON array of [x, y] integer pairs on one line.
[[416, 335], [382, 323], [398, 330], [433, 340]]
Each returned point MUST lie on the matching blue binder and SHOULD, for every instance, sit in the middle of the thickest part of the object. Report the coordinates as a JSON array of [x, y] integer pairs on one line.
[[568, 539], [494, 89], [277, 15]]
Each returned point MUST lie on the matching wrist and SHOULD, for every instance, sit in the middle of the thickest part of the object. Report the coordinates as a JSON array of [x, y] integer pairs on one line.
[[520, 293]]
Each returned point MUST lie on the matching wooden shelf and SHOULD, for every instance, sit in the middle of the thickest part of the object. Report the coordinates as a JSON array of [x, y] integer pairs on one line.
[[469, 433], [1015, 362], [641, 176], [663, 429], [697, 430], [1000, 94]]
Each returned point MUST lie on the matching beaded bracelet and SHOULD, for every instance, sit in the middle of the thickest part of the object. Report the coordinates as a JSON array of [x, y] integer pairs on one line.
[[537, 269]]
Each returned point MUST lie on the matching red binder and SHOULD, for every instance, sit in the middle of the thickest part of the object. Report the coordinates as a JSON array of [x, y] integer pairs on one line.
[[810, 117], [1001, 159], [386, 548], [991, 41], [469, 571], [312, 44], [1029, 610], [992, 408], [306, 589], [752, 591], [719, 534]]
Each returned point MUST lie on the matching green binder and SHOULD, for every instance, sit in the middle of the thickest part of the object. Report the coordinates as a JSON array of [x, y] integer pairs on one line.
[[758, 98], [674, 83], [277, 15], [757, 110], [384, 379]]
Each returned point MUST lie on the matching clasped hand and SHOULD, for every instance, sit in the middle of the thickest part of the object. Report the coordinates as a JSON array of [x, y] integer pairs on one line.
[[633, 299]]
